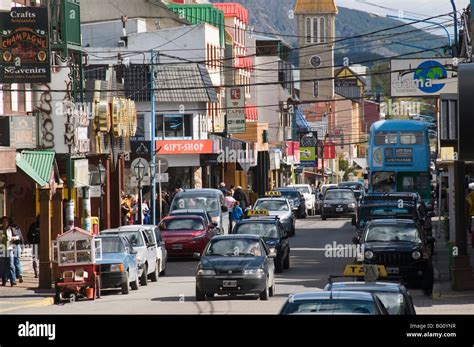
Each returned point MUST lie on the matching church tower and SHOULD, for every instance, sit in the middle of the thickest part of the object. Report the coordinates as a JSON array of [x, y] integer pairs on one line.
[[316, 35]]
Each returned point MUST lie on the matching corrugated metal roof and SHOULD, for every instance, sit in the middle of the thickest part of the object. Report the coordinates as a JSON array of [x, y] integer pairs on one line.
[[232, 9], [184, 83], [315, 6], [36, 164]]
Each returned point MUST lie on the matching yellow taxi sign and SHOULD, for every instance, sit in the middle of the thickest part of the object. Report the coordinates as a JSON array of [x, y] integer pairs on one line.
[[258, 213], [273, 193], [358, 270]]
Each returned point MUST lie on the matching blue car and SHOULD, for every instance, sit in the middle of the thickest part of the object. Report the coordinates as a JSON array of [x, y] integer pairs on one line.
[[119, 265]]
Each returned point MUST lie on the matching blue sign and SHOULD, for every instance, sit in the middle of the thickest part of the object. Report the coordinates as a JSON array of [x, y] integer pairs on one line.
[[428, 72]]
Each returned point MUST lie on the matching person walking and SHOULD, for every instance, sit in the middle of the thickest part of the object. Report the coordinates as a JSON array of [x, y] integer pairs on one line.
[[18, 246], [8, 265], [241, 197], [237, 214], [222, 188], [470, 202], [33, 238], [145, 212]]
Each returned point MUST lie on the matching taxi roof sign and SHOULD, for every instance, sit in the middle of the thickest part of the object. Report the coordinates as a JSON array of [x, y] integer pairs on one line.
[[273, 193], [357, 270], [258, 213]]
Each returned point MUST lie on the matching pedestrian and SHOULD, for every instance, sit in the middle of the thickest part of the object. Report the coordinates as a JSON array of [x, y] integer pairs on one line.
[[133, 210], [237, 212], [33, 238], [232, 190], [229, 202], [222, 188], [241, 197], [470, 202], [8, 265], [18, 246], [145, 212], [125, 209]]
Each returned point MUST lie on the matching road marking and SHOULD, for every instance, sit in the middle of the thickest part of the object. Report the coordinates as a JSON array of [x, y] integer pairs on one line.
[[36, 303]]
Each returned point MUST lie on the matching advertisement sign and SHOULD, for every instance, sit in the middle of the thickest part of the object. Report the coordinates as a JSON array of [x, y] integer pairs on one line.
[[329, 150], [24, 46], [308, 156], [185, 147], [423, 77], [23, 132], [398, 155], [235, 110]]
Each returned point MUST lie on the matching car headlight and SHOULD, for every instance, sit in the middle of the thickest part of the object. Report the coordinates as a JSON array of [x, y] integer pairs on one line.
[[416, 255], [116, 268], [352, 205], [368, 255], [205, 272], [199, 238], [253, 272]]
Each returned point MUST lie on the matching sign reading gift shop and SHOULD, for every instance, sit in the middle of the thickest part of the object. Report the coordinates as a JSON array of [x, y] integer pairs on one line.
[[235, 110], [185, 147], [24, 46]]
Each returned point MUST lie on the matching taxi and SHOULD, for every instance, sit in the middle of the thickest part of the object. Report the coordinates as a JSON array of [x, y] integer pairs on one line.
[[275, 206]]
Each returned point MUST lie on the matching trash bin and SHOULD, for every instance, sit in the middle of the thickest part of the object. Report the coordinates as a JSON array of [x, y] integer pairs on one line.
[[451, 246], [95, 225]]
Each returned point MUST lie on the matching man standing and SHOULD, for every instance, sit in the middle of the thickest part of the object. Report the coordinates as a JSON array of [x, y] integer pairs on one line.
[[222, 188], [8, 265], [18, 243], [241, 197]]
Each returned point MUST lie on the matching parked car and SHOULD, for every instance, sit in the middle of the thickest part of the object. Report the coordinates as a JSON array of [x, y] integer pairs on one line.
[[339, 203], [162, 252], [279, 207], [210, 200], [194, 212], [296, 199], [142, 239], [119, 265], [402, 247], [333, 303], [236, 264], [394, 296], [274, 235], [309, 197], [185, 235]]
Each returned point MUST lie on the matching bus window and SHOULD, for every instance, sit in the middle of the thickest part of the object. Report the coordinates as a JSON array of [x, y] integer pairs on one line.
[[411, 138], [385, 138], [384, 182]]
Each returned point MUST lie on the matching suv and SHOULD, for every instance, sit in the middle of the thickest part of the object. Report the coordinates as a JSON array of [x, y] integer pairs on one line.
[[142, 238], [296, 200], [339, 203]]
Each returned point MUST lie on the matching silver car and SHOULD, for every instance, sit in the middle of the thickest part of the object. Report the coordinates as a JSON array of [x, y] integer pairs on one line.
[[281, 208]]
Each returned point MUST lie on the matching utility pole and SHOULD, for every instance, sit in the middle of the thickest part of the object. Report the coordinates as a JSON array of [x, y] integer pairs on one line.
[[153, 136]]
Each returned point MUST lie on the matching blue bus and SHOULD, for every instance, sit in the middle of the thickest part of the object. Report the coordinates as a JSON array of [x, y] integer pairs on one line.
[[399, 158]]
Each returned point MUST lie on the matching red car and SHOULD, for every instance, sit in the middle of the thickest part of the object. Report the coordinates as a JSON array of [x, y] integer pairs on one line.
[[186, 235]]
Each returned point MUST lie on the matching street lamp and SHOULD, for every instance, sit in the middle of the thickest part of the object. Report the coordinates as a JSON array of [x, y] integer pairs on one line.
[[139, 170], [102, 172]]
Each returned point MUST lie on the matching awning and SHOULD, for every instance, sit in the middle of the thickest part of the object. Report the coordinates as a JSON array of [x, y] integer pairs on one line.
[[36, 164], [251, 113], [301, 122], [361, 162]]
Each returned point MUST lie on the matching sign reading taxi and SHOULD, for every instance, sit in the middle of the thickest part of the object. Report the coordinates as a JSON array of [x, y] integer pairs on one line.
[[185, 147], [358, 270], [258, 213], [273, 194]]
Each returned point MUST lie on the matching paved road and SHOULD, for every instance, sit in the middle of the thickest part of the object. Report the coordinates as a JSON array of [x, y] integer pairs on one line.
[[310, 268]]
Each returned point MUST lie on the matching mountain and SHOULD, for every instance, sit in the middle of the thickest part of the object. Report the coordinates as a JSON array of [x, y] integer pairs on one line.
[[274, 17]]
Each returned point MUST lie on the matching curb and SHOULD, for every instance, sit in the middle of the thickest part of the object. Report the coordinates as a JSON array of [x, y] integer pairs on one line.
[[37, 303]]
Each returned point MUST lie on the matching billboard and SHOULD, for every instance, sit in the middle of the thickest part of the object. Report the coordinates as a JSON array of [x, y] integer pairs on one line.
[[24, 46], [423, 77], [235, 110], [308, 156]]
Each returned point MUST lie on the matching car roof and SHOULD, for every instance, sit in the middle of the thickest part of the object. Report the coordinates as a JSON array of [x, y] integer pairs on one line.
[[290, 189], [339, 188], [135, 227], [205, 192], [185, 216], [392, 221], [263, 219], [352, 183], [189, 210], [334, 294], [236, 236], [371, 287], [272, 199]]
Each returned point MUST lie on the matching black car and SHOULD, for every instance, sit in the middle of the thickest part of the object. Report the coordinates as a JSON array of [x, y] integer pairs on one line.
[[236, 264], [339, 203], [402, 247], [394, 296], [357, 187], [334, 303], [296, 199], [274, 235]]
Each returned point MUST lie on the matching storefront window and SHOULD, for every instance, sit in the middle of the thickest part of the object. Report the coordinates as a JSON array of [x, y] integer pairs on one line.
[[174, 126]]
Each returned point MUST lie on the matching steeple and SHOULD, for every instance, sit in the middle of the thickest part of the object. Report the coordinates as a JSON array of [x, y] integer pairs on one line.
[[315, 6]]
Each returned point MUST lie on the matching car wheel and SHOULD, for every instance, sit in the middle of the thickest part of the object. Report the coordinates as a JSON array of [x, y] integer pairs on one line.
[[163, 272], [135, 283], [210, 296], [155, 274], [271, 291], [200, 295], [279, 265], [286, 263], [144, 279], [125, 285], [293, 230], [266, 293]]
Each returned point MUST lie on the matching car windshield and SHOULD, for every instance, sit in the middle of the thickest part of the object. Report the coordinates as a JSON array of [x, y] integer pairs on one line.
[[208, 204], [339, 195], [330, 306], [272, 205], [394, 302], [234, 248], [291, 194], [388, 233], [354, 186], [266, 230], [112, 245], [136, 240], [182, 224]]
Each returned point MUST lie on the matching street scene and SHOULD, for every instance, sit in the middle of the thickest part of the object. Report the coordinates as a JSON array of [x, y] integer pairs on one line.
[[202, 157]]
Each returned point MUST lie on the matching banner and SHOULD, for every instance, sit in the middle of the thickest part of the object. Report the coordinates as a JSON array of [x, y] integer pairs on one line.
[[236, 110], [24, 46]]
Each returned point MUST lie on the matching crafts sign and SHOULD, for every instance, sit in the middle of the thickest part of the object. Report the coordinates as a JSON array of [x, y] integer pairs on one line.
[[24, 46]]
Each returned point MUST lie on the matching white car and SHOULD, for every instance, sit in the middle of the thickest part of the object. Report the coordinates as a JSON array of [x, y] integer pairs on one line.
[[149, 253], [307, 192]]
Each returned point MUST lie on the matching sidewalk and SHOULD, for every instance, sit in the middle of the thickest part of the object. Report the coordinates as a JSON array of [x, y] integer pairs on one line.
[[26, 294]]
